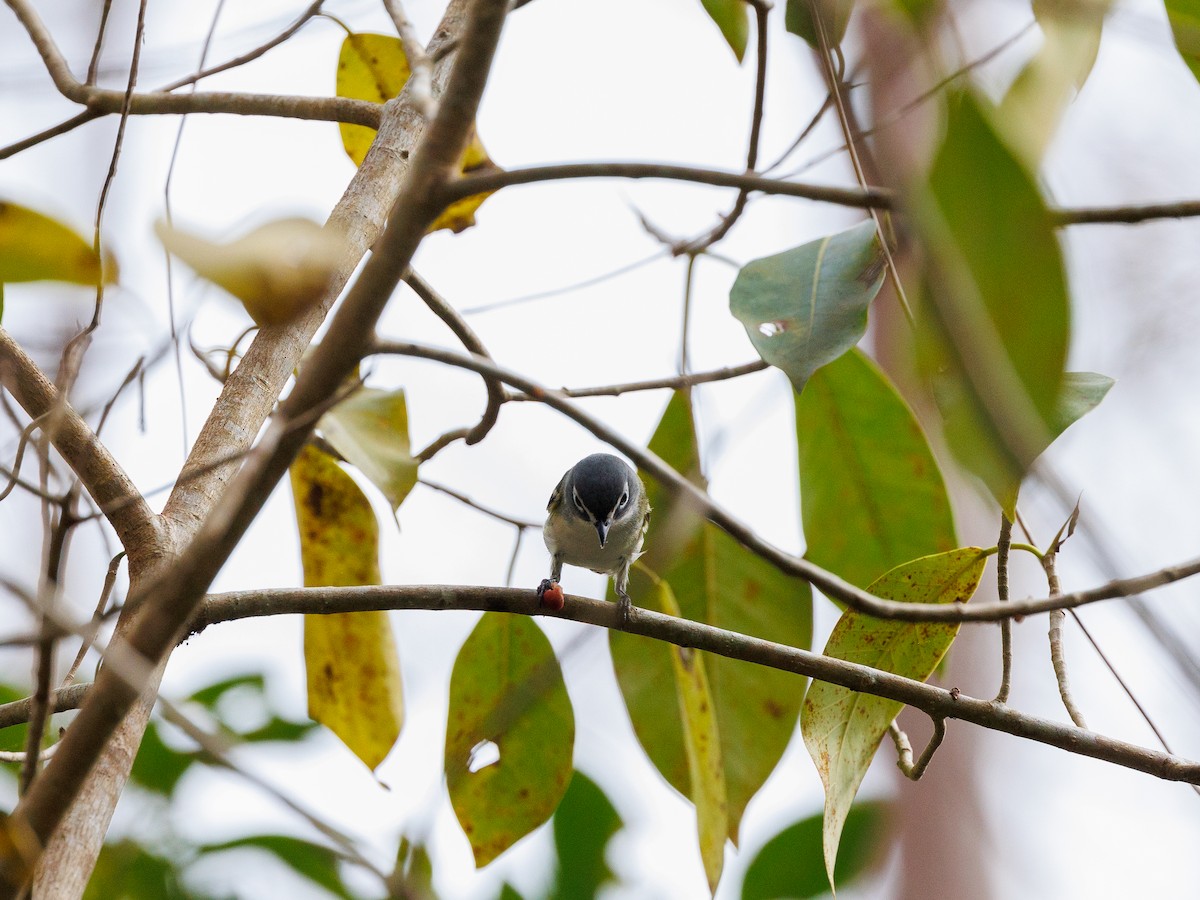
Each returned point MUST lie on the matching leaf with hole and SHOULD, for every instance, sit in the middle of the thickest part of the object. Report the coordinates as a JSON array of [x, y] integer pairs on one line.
[[507, 696], [871, 493], [807, 306], [715, 580], [351, 661], [842, 728], [370, 430]]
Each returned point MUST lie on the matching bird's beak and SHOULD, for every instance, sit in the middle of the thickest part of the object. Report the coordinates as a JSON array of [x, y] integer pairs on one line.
[[602, 527]]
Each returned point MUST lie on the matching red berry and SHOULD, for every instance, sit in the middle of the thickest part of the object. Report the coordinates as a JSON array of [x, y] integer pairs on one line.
[[552, 597]]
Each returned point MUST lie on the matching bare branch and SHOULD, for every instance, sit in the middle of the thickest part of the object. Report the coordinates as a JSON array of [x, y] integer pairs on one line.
[[673, 382], [828, 583], [465, 333], [328, 109], [136, 525], [493, 181], [934, 701]]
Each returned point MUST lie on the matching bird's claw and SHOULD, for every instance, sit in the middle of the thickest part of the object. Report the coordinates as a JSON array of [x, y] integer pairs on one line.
[[546, 585]]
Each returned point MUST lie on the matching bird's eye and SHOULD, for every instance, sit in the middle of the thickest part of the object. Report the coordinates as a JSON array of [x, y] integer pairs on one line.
[[624, 499], [578, 502]]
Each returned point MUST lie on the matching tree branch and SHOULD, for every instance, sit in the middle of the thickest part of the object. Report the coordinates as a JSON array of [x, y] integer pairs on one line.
[[934, 701], [136, 525], [827, 582], [494, 181], [328, 109]]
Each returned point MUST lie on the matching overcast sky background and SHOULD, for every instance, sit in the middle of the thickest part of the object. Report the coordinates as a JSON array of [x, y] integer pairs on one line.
[[630, 80]]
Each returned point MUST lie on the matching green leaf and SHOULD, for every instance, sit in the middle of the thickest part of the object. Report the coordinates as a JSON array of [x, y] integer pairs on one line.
[[413, 876], [871, 493], [834, 15], [702, 746], [1184, 16], [714, 580], [34, 247], [789, 864], [584, 823], [125, 870], [507, 689], [211, 695], [733, 18], [807, 306], [352, 666], [370, 430], [311, 861], [158, 767], [1081, 393], [12, 738], [996, 340], [841, 728]]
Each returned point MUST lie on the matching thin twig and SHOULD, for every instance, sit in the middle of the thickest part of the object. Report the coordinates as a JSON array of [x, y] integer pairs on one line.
[[1003, 545], [834, 83], [470, 340], [299, 22], [94, 66], [520, 524], [565, 289], [672, 382], [494, 181], [98, 616], [904, 752], [1056, 646], [420, 66], [722, 228]]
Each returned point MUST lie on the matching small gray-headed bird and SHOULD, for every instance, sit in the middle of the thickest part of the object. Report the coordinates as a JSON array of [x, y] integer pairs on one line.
[[597, 519]]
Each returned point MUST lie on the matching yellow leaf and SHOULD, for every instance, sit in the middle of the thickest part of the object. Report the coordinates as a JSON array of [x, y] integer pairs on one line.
[[34, 247], [703, 746], [278, 270], [354, 686], [373, 67]]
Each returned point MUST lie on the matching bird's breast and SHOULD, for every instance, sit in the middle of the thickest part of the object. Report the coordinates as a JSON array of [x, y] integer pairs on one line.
[[578, 544]]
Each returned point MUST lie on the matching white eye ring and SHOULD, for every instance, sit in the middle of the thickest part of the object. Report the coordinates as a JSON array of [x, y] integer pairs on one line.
[[624, 499], [577, 501]]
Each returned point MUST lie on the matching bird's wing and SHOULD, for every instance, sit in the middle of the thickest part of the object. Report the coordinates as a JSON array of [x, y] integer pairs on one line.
[[557, 494]]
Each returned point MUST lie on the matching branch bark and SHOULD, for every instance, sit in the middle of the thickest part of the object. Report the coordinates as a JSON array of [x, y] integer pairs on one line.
[[937, 702]]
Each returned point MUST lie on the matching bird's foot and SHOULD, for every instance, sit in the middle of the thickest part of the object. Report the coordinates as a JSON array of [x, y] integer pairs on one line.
[[625, 608]]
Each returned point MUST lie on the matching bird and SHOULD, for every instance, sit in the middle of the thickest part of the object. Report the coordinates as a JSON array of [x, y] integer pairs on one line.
[[597, 519]]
